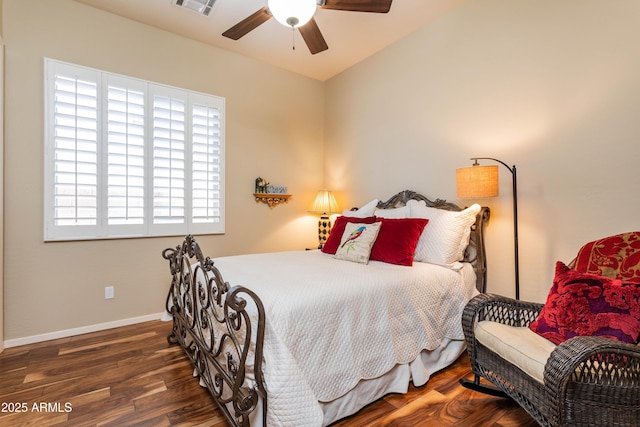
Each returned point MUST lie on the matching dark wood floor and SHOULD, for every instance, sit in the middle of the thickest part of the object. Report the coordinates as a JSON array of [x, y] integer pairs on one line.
[[131, 376]]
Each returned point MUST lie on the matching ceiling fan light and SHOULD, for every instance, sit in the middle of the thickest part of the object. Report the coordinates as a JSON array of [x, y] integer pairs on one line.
[[292, 13]]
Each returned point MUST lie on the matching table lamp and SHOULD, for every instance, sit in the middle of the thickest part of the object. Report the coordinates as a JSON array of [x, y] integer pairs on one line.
[[324, 204]]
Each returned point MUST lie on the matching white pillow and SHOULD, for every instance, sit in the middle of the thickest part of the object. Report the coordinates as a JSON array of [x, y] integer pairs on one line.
[[402, 212], [446, 236], [357, 241], [364, 211]]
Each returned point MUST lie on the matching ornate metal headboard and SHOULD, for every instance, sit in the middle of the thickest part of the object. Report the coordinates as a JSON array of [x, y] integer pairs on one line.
[[475, 253]]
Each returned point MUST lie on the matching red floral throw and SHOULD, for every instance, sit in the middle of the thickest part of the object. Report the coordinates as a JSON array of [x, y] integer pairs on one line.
[[615, 256], [589, 304]]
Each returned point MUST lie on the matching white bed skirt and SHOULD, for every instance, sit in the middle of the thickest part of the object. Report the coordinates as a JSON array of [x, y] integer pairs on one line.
[[397, 380]]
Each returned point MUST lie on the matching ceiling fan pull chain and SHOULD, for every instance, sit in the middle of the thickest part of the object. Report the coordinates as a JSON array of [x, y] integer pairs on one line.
[[293, 38]]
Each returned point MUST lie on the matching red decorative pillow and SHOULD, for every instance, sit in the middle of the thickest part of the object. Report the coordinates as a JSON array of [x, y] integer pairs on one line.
[[333, 241], [397, 240], [614, 256], [589, 304]]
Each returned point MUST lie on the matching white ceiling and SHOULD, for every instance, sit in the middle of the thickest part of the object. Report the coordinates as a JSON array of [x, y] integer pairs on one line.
[[351, 36]]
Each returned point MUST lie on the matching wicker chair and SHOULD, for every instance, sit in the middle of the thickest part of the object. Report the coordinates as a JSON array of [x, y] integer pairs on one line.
[[584, 381]]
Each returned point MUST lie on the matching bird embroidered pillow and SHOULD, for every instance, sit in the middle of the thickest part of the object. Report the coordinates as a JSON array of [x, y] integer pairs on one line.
[[333, 241], [357, 241]]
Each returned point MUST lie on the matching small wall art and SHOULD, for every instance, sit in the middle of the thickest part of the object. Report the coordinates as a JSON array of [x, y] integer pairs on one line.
[[270, 194]]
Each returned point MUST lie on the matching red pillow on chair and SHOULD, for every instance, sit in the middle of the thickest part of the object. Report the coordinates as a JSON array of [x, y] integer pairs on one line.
[[589, 305], [333, 241], [397, 240]]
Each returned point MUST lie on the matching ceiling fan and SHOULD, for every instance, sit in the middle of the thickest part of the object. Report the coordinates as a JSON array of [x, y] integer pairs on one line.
[[299, 14]]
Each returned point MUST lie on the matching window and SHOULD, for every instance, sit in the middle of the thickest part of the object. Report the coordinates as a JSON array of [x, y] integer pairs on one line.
[[129, 158]]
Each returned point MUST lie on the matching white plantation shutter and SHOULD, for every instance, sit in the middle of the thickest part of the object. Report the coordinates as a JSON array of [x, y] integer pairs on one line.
[[72, 166], [168, 160], [188, 157], [125, 154], [129, 158], [206, 164]]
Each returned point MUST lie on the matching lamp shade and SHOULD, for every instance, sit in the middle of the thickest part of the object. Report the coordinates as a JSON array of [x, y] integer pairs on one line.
[[325, 203], [292, 13], [477, 181]]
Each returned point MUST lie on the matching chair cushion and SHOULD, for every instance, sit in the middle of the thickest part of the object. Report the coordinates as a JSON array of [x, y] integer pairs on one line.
[[518, 345], [585, 304], [616, 256]]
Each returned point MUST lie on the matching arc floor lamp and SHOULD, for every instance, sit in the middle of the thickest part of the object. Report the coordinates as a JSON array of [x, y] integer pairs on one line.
[[482, 181]]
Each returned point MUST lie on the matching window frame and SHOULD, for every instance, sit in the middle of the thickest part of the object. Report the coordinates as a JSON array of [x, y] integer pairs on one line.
[[102, 229]]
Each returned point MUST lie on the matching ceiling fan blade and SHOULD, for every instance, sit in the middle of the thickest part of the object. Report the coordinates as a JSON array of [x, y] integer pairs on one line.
[[312, 36], [376, 6], [248, 24]]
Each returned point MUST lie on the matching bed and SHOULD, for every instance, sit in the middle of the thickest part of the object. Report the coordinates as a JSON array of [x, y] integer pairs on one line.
[[304, 338]]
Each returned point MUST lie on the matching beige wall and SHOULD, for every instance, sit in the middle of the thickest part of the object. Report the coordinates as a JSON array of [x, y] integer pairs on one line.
[[1, 187], [274, 129], [549, 85]]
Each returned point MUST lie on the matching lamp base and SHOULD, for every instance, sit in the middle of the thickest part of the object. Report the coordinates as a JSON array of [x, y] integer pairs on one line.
[[324, 228]]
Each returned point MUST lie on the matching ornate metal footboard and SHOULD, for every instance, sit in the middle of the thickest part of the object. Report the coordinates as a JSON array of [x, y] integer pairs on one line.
[[221, 329]]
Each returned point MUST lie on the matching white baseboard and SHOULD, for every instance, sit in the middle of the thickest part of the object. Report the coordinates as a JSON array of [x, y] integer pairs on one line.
[[82, 330]]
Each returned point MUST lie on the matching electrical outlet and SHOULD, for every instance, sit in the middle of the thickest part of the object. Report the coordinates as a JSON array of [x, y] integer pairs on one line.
[[108, 292]]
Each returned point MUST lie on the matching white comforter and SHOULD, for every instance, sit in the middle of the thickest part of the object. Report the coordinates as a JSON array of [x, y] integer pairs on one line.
[[331, 323]]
